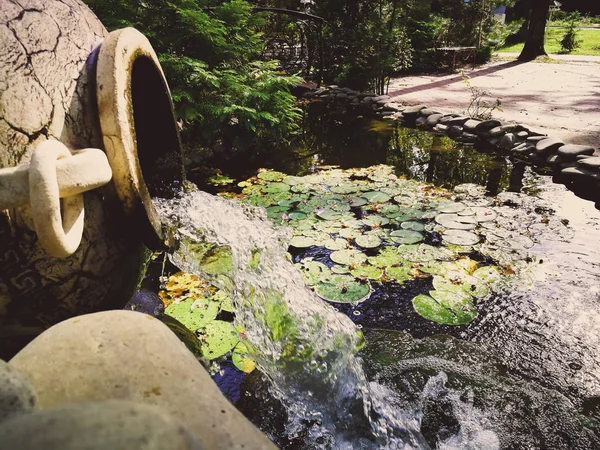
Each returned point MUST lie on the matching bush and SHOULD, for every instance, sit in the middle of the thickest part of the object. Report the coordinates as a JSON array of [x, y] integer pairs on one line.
[[569, 41]]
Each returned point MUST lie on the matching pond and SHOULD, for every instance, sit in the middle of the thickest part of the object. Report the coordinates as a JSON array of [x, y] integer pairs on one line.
[[474, 279]]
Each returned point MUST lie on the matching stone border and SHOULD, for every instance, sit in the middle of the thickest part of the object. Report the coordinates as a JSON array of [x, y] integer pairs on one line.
[[574, 164]]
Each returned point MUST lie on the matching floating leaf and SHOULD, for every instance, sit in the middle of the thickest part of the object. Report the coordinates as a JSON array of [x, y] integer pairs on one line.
[[367, 271], [302, 241], [456, 222], [451, 207], [375, 221], [241, 359], [406, 237], [348, 257], [357, 201], [449, 311], [345, 188], [460, 237], [399, 273], [387, 257], [422, 253], [349, 233], [275, 188], [271, 175], [412, 225], [336, 244], [376, 197], [343, 289], [368, 241], [489, 274], [329, 214], [218, 337], [313, 271], [340, 269], [483, 214], [297, 215], [194, 314]]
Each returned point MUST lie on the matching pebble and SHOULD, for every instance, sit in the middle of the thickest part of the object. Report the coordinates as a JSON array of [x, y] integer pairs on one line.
[[487, 125], [433, 119], [471, 124], [410, 110], [454, 131], [507, 141], [581, 172], [593, 162], [426, 112], [16, 395], [571, 151]]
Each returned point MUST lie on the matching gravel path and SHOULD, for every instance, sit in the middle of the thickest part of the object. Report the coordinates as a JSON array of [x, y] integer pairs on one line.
[[561, 99]]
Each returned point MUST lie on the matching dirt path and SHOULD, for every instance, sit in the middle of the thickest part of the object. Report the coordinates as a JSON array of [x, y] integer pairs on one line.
[[560, 99]]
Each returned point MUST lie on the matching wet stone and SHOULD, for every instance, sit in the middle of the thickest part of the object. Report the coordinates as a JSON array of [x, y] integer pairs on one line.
[[390, 106], [593, 162], [410, 110], [471, 124], [469, 137], [554, 159], [487, 125], [426, 112], [460, 120], [16, 395], [522, 134], [421, 122], [454, 131], [548, 145], [446, 118], [534, 139], [571, 151], [433, 119], [507, 141], [341, 95], [580, 172], [440, 127]]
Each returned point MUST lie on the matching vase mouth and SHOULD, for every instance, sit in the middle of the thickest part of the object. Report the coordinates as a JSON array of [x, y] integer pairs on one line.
[[138, 126]]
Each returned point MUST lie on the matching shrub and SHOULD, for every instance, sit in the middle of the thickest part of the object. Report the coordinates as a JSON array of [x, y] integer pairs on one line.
[[569, 41]]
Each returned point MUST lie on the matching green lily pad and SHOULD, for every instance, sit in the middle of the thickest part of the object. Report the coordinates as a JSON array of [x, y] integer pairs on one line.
[[456, 222], [449, 310], [483, 214], [218, 338], [489, 274], [419, 253], [194, 314], [375, 221], [297, 215], [406, 236], [276, 187], [413, 225], [387, 257], [400, 274], [348, 257], [368, 241], [349, 233], [343, 289], [329, 214], [271, 175], [460, 237], [241, 359], [313, 271], [367, 271], [376, 197], [292, 181], [340, 269], [345, 188], [357, 201], [336, 244], [302, 241]]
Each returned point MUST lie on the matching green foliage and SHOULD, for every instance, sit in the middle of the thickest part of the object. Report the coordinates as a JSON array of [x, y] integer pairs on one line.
[[569, 41], [209, 51]]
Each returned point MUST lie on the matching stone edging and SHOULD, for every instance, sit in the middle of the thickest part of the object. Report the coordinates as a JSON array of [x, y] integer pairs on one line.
[[575, 163]]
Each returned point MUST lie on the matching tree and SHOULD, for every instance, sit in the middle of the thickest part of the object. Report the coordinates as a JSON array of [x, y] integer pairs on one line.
[[534, 43]]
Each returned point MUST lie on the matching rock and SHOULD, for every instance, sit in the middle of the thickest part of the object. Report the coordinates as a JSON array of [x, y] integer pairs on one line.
[[554, 159], [534, 132], [382, 99], [593, 162], [494, 141], [446, 118], [421, 122], [147, 302], [341, 95], [486, 125], [454, 131], [523, 148], [522, 134], [507, 141], [410, 110], [390, 107], [501, 130], [534, 139], [131, 356], [469, 137], [460, 120], [440, 127], [471, 124], [571, 151], [367, 100], [426, 112], [355, 100], [579, 157], [581, 173], [548, 145], [16, 395], [433, 119], [111, 424]]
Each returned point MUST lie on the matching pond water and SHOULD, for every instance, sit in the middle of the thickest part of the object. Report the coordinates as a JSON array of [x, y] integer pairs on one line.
[[483, 333]]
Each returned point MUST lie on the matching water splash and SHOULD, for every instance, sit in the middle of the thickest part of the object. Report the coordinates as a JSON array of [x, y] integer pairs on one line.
[[303, 345]]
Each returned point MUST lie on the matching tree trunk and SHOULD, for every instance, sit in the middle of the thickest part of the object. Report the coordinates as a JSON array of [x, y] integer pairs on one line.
[[534, 44]]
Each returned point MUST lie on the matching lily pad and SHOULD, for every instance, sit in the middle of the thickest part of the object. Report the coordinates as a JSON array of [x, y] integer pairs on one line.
[[413, 225], [376, 197], [241, 359], [276, 187], [348, 257], [368, 241], [406, 236], [460, 237], [336, 244], [456, 222], [451, 207], [302, 241], [349, 233], [449, 310], [367, 271], [272, 175], [329, 214], [357, 201], [343, 289], [313, 271], [194, 314], [297, 215], [400, 274], [375, 221], [218, 338], [489, 274]]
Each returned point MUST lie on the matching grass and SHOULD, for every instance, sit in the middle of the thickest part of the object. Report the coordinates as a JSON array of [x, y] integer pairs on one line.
[[590, 42]]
